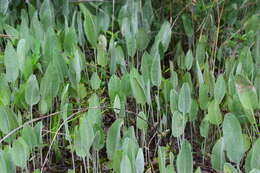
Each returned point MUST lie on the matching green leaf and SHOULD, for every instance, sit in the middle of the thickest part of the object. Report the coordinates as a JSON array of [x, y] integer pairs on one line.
[[22, 49], [162, 159], [184, 101], [8, 120], [141, 121], [189, 60], [4, 6], [233, 138], [173, 101], [178, 124], [163, 37], [125, 165], [131, 45], [11, 63], [102, 57], [156, 73], [247, 95], [95, 81], [214, 113], [137, 88], [47, 14], [113, 138], [220, 89], [29, 137], [76, 64], [187, 24], [184, 159], [6, 164], [89, 26], [117, 105], [84, 137], [94, 111], [32, 94], [255, 158], [218, 155], [228, 168], [204, 128], [203, 96], [146, 66], [198, 170], [20, 152], [139, 162], [201, 50]]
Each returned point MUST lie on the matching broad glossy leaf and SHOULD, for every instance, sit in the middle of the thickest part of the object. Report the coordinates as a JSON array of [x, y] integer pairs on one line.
[[255, 171], [89, 26], [228, 168], [204, 128], [47, 14], [11, 63], [29, 137], [139, 161], [164, 37], [146, 65], [95, 81], [76, 64], [173, 101], [113, 138], [156, 73], [218, 155], [137, 88], [6, 164], [187, 24], [8, 120], [184, 101], [22, 49], [102, 57], [220, 89], [4, 6], [131, 45], [203, 96], [84, 137], [20, 152], [201, 50], [125, 165], [178, 124], [233, 138], [255, 158], [184, 159], [32, 92], [141, 121], [189, 60], [214, 113], [117, 104], [94, 111], [162, 159], [246, 92]]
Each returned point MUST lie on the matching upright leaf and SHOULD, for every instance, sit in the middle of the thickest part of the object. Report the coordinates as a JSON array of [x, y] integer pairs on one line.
[[233, 138], [218, 155], [20, 152], [84, 137], [32, 94], [113, 138], [220, 89], [184, 101], [255, 158], [184, 158], [11, 63]]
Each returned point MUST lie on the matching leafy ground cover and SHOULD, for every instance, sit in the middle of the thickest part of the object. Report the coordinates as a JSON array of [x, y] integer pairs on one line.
[[130, 86]]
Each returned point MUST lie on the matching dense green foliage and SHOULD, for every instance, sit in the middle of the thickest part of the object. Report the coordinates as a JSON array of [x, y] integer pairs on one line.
[[130, 86]]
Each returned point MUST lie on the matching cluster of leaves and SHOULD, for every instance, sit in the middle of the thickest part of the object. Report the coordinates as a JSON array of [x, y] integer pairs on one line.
[[184, 86]]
